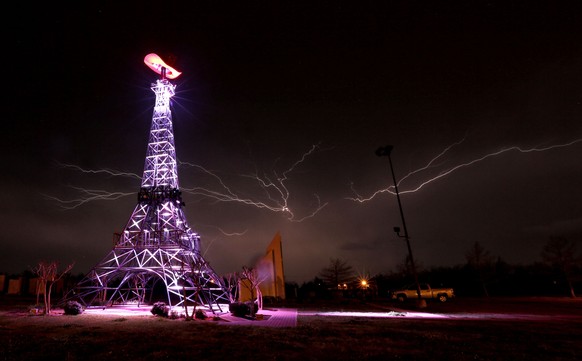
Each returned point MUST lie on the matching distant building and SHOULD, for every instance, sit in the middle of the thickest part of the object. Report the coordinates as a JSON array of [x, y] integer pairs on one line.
[[271, 271], [35, 286], [15, 286]]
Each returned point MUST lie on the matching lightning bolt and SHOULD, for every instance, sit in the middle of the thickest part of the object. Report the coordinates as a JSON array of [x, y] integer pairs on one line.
[[89, 195], [273, 187], [111, 172], [446, 172]]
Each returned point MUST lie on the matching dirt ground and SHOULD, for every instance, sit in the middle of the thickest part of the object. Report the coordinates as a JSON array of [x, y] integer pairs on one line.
[[461, 329]]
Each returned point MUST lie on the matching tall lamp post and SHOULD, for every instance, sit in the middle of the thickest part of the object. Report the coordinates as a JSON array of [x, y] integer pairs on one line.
[[385, 152]]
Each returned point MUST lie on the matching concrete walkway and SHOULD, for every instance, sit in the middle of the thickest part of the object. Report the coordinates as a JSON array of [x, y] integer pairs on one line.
[[272, 317]]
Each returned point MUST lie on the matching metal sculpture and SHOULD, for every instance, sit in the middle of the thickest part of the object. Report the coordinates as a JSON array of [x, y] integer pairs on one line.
[[156, 244]]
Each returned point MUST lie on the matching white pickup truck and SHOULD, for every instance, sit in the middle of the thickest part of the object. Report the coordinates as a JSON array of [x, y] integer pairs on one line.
[[426, 292]]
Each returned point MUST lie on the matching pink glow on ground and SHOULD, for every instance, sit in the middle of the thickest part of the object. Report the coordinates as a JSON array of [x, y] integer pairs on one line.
[[391, 314], [144, 310], [120, 311], [271, 317]]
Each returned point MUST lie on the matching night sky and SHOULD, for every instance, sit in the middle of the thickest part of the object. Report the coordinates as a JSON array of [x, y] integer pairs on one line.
[[266, 83]]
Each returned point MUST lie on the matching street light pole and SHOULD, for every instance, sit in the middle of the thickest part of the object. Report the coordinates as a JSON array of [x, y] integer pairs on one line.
[[386, 151]]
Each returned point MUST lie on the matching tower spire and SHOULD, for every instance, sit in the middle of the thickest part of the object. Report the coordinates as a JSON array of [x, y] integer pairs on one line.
[[158, 218], [156, 243]]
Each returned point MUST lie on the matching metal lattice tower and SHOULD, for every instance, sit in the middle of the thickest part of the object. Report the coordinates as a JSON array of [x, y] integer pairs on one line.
[[156, 244]]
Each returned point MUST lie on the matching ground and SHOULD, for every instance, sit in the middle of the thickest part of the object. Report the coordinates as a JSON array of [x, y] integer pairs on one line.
[[461, 329]]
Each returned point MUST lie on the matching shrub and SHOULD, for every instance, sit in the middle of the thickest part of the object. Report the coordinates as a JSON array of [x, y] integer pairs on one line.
[[253, 305], [73, 308], [241, 309], [238, 309], [160, 309]]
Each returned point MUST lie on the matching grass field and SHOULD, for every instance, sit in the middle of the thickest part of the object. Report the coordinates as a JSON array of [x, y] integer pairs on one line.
[[471, 329]]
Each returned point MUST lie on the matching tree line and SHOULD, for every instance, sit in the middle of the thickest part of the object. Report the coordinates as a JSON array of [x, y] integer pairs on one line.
[[559, 273]]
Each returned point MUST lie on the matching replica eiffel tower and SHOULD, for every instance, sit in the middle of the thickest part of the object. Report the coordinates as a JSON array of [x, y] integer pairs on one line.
[[156, 244]]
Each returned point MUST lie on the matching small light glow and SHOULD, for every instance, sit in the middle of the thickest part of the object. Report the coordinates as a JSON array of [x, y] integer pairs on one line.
[[364, 284]]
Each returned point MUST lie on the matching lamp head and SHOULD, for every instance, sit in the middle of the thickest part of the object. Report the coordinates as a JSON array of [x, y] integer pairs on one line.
[[384, 151]]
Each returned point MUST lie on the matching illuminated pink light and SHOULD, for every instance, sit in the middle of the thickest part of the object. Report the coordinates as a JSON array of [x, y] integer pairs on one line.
[[154, 62], [140, 311]]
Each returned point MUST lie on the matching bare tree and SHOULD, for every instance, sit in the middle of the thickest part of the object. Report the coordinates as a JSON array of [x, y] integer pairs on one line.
[[337, 273], [254, 279], [560, 253], [48, 275], [480, 260], [197, 268], [231, 283]]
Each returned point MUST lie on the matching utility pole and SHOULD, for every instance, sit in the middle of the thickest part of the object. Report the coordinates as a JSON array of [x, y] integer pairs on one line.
[[386, 151]]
